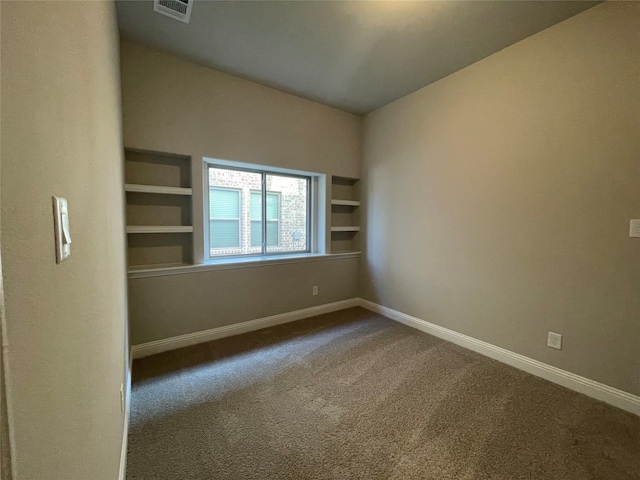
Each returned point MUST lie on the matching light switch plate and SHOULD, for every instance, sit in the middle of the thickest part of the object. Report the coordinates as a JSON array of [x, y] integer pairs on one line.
[[634, 228], [61, 227]]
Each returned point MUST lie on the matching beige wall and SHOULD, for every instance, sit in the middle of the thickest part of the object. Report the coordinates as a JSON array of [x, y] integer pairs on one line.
[[163, 307], [5, 438], [61, 135], [172, 105], [498, 199]]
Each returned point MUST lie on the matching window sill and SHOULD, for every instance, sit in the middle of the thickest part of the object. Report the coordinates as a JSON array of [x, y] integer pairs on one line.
[[235, 263]]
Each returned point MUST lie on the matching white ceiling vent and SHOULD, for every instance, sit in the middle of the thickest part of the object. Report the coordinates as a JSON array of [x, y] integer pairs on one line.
[[178, 9]]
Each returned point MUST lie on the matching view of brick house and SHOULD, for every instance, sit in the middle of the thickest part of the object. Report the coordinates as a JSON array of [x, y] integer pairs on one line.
[[235, 212]]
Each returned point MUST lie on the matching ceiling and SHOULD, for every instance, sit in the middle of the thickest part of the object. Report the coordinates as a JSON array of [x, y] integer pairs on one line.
[[353, 55]]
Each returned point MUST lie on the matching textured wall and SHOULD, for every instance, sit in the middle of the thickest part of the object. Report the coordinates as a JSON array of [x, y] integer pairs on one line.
[[168, 306], [497, 200], [173, 105], [216, 115], [61, 135]]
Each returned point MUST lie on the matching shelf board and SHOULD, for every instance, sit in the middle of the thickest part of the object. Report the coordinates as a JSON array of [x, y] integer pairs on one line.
[[148, 268], [348, 203], [133, 187], [344, 180], [160, 229], [345, 229]]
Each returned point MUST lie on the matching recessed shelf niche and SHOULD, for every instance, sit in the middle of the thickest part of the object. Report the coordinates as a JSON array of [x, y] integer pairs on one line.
[[345, 214], [159, 209]]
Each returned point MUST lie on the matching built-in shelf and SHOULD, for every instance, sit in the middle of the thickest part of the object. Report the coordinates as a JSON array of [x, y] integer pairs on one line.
[[148, 268], [132, 187], [345, 215], [159, 209], [160, 229], [351, 228], [347, 203]]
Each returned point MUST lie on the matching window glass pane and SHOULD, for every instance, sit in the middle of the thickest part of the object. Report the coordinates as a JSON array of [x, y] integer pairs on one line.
[[287, 211], [256, 206], [224, 203], [229, 207], [273, 206], [225, 233], [255, 213], [236, 218], [272, 234], [256, 233]]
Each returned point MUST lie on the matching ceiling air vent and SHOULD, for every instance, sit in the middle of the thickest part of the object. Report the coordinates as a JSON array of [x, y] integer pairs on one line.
[[178, 9]]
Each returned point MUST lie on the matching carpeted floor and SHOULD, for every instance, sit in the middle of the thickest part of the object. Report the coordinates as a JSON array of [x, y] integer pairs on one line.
[[354, 395]]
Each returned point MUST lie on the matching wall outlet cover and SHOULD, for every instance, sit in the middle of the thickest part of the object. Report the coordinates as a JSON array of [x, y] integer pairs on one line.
[[554, 340]]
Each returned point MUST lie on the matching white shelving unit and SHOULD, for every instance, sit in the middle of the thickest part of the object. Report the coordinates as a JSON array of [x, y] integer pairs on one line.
[[346, 203], [160, 229], [130, 187], [350, 228], [159, 209], [345, 214]]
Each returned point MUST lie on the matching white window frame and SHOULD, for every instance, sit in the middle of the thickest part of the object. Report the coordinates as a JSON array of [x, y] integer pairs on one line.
[[316, 210]]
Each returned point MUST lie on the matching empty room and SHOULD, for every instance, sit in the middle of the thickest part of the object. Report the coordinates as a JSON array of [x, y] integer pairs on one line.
[[288, 240]]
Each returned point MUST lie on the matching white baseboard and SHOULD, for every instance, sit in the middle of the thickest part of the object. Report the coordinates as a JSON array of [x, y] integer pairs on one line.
[[599, 391], [158, 346], [591, 388]]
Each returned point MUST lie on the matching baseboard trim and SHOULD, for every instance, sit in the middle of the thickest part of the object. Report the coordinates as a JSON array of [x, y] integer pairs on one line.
[[613, 396], [599, 391], [173, 343]]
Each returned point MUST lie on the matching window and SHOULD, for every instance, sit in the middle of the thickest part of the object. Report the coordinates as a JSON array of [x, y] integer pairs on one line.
[[255, 212], [273, 219], [224, 218]]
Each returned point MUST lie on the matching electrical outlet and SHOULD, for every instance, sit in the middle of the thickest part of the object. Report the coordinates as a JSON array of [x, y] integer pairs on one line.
[[315, 289], [122, 397], [554, 340]]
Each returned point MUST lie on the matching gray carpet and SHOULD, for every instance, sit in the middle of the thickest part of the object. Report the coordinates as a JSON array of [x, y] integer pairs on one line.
[[354, 395]]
